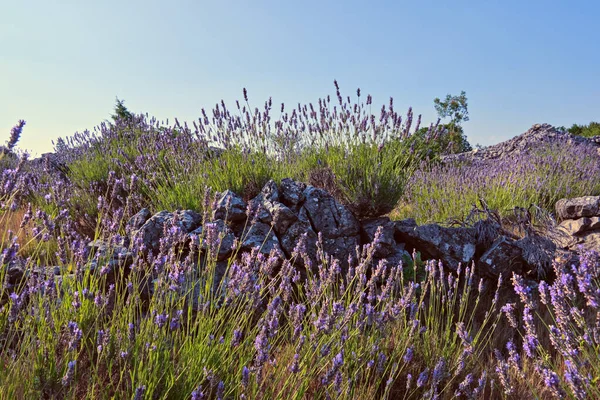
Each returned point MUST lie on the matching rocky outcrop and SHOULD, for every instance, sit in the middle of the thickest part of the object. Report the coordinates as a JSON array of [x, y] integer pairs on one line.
[[156, 227], [537, 135], [292, 220], [289, 219]]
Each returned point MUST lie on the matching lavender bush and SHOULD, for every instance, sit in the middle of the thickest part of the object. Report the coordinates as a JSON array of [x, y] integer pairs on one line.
[[242, 148], [174, 323], [439, 192], [257, 333]]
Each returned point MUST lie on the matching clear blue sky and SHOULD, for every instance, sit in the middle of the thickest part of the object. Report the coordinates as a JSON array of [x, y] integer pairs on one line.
[[521, 62]]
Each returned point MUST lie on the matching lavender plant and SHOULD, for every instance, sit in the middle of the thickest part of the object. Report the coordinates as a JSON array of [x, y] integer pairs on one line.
[[242, 148], [560, 328], [178, 322], [353, 334], [549, 172]]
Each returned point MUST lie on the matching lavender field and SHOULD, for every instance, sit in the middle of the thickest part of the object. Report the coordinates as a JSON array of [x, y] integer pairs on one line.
[[273, 252]]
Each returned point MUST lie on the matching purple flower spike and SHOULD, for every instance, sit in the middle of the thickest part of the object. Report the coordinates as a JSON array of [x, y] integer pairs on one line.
[[68, 378], [15, 134]]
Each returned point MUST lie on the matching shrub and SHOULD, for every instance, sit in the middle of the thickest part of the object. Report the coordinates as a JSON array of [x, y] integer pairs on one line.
[[590, 130]]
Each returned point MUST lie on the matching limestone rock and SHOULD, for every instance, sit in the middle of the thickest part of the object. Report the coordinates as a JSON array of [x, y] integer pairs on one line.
[[387, 243], [260, 235], [138, 220], [151, 231], [216, 236], [292, 192], [449, 245], [503, 257], [578, 207], [230, 208]]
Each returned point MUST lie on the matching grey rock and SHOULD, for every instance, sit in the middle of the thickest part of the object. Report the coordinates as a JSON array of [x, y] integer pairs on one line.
[[537, 135], [270, 192], [269, 210], [138, 220], [292, 236], [589, 241], [18, 271], [259, 211], [561, 238], [575, 227], [109, 260], [537, 252], [280, 216], [578, 207], [449, 245], [153, 229], [340, 248], [327, 216], [387, 244], [187, 220], [503, 257], [101, 249], [398, 257], [260, 235], [292, 192], [338, 227], [217, 232], [230, 208]]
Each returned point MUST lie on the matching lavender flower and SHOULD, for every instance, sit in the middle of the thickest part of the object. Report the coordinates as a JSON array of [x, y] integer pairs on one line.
[[75, 335], [408, 356], [552, 382], [161, 319], [508, 311], [295, 367], [68, 378], [439, 372], [245, 376], [15, 134], [422, 379], [575, 381], [198, 394], [220, 390], [236, 338], [464, 386], [139, 392]]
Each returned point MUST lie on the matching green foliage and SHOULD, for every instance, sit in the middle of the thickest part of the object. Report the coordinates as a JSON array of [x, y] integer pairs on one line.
[[451, 141], [590, 130], [454, 107], [121, 112], [368, 177]]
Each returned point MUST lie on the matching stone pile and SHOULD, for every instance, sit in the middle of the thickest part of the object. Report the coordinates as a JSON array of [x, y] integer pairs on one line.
[[275, 221], [538, 134], [292, 218], [580, 223]]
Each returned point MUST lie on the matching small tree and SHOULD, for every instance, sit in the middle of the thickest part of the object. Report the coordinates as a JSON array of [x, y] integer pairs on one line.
[[455, 107], [121, 112]]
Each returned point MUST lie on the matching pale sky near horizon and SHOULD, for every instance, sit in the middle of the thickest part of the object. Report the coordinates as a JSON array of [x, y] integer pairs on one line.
[[520, 62]]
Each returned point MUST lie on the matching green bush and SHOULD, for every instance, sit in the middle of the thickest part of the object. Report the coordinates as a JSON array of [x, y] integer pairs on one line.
[[590, 130]]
